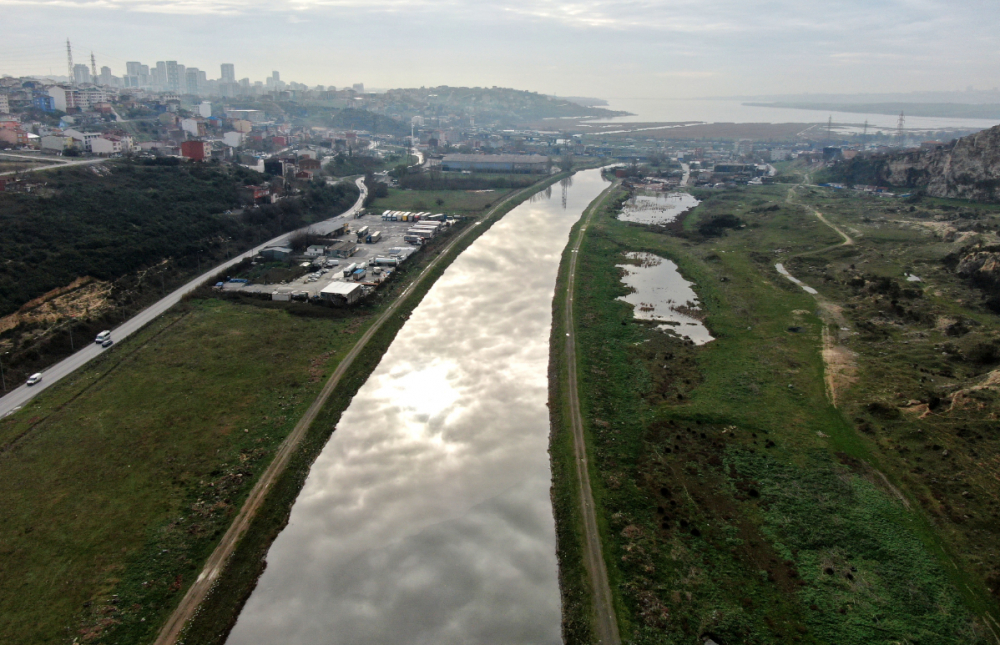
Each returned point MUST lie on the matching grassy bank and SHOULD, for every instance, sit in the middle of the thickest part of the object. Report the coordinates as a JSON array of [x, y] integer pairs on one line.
[[115, 484], [737, 503], [451, 201]]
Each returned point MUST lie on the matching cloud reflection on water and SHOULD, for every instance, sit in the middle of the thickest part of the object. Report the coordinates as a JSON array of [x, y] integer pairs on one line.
[[426, 518]]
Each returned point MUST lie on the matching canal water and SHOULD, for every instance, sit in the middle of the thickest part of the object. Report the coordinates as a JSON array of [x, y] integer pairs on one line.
[[427, 519]]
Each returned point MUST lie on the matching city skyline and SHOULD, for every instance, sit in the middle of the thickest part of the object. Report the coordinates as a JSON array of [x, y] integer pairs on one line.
[[677, 49]]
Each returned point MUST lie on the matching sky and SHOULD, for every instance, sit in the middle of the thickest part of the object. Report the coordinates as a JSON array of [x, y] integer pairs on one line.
[[599, 48]]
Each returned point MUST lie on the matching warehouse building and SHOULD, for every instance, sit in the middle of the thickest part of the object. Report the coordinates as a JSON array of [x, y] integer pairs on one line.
[[342, 293], [496, 163]]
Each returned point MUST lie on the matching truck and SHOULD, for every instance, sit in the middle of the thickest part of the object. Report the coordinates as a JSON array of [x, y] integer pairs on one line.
[[374, 237], [413, 239], [348, 270], [362, 233], [424, 233], [360, 274], [384, 261]]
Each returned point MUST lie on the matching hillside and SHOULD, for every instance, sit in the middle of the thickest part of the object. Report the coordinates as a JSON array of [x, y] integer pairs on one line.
[[966, 169]]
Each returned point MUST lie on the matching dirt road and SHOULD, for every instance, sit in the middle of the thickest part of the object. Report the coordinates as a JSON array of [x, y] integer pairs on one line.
[[606, 622], [217, 561]]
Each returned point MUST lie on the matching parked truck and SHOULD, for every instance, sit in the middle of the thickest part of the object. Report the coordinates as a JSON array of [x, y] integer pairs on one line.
[[348, 270], [374, 237], [360, 274], [384, 261], [413, 239], [362, 233], [425, 233]]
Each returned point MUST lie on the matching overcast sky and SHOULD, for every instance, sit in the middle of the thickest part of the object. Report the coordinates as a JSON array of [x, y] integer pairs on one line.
[[604, 48]]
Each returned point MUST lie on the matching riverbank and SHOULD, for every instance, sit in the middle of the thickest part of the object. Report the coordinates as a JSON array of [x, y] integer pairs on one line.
[[735, 502], [217, 614]]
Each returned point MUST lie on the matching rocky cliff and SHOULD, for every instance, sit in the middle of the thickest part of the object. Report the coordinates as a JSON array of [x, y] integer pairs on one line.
[[966, 169]]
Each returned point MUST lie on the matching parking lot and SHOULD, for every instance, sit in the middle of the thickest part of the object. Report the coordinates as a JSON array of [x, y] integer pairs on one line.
[[329, 269]]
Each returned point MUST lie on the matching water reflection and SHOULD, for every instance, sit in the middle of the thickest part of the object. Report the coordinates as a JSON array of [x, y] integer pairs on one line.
[[660, 208], [660, 293], [427, 519]]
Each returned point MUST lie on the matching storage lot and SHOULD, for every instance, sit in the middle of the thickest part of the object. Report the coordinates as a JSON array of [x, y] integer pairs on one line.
[[391, 243]]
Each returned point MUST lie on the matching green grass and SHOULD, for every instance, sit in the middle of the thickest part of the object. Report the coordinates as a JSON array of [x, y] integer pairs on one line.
[[121, 479], [454, 201], [728, 482]]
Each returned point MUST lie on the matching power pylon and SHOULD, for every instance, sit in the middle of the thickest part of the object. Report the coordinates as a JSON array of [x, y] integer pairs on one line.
[[93, 67], [900, 129], [69, 60]]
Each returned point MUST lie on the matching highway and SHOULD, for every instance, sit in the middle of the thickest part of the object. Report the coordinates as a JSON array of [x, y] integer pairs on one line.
[[17, 398]]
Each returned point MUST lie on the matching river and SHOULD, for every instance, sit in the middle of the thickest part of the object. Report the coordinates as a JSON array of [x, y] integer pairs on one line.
[[427, 517]]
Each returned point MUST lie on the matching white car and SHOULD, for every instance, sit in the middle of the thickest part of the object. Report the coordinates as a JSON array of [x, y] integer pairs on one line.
[[34, 378]]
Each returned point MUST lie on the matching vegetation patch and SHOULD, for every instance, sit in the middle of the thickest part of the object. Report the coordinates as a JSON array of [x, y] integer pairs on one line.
[[736, 502]]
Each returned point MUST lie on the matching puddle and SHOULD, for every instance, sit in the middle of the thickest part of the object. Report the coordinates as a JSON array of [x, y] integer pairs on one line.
[[661, 208], [781, 269], [661, 294]]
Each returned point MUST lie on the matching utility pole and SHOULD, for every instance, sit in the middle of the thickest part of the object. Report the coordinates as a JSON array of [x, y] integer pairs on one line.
[[3, 380], [69, 61]]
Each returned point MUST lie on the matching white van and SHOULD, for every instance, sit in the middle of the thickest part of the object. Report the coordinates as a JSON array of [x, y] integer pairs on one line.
[[103, 336]]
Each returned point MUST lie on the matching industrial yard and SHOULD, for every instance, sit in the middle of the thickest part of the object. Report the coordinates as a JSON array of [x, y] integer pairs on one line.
[[349, 259]]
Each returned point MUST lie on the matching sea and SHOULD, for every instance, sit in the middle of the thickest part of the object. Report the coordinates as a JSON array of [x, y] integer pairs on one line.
[[659, 110]]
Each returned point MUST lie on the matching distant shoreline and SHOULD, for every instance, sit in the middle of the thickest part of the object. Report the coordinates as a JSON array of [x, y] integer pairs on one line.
[[941, 110]]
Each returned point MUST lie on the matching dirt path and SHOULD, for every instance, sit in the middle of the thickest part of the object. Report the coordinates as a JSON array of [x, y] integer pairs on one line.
[[607, 623], [216, 562], [839, 363]]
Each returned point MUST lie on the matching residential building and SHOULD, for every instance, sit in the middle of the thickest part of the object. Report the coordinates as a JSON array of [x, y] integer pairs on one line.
[[174, 74], [191, 80], [64, 99], [40, 101], [233, 139], [228, 73], [83, 139], [4, 104], [81, 74], [194, 127], [107, 146], [196, 150], [205, 109], [57, 143]]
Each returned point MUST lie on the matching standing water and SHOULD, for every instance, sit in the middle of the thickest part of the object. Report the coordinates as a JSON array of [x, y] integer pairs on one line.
[[427, 517]]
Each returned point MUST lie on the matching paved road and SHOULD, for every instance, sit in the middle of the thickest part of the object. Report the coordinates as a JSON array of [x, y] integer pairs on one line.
[[606, 623], [17, 398], [216, 562], [54, 163]]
